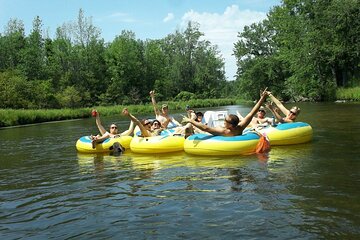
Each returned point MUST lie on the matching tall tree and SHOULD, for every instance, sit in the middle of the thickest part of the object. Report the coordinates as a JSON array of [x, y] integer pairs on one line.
[[124, 58], [194, 64], [33, 54], [88, 64], [259, 64], [11, 44], [155, 74], [76, 58]]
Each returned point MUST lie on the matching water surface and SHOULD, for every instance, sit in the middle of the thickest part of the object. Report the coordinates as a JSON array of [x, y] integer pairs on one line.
[[307, 191]]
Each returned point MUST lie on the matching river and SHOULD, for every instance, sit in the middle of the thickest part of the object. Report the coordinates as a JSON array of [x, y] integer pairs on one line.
[[306, 191]]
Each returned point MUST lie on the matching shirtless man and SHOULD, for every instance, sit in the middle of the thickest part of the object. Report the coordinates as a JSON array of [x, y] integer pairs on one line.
[[232, 125], [112, 133], [259, 119], [163, 117]]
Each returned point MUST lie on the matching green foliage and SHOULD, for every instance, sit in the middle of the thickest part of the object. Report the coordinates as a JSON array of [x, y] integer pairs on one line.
[[32, 58], [185, 96], [13, 117], [12, 44], [77, 68], [125, 66], [304, 50], [348, 93], [17, 92], [69, 98], [12, 87], [192, 65]]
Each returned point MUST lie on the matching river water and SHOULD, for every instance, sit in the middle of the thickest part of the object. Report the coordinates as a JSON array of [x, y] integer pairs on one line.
[[306, 191]]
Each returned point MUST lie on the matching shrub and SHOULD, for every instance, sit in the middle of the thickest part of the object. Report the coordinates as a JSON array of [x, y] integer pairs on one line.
[[184, 96]]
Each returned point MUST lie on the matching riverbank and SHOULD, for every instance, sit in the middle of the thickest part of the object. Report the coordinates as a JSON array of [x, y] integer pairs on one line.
[[348, 94], [16, 117], [19, 117]]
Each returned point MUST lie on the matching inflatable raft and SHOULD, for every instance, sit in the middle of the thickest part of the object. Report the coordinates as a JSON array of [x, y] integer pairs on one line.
[[288, 133], [204, 144], [84, 145], [157, 144]]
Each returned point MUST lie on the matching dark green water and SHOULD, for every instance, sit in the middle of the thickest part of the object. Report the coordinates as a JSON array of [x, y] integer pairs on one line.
[[307, 191]]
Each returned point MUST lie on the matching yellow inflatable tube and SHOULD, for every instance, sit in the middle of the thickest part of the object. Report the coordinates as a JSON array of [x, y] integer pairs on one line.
[[204, 144], [84, 145], [157, 144], [288, 133]]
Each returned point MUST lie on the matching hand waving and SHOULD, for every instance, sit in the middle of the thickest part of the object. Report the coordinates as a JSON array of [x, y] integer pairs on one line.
[[125, 112]]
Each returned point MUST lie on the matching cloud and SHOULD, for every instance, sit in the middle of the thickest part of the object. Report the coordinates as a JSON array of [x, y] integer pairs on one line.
[[169, 17], [120, 17], [222, 30]]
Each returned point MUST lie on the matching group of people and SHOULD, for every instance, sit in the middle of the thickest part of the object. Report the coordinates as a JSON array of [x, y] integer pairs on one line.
[[233, 124]]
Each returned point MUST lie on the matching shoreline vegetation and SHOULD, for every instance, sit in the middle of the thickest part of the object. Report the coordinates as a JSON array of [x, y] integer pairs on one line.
[[348, 94], [18, 117]]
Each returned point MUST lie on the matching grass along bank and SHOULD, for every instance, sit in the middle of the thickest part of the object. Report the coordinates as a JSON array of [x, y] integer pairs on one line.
[[15, 117], [349, 94]]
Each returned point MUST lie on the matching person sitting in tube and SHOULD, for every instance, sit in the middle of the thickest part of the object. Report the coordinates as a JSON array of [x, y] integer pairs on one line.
[[147, 127], [259, 120], [191, 129], [232, 125], [112, 133], [163, 115], [290, 115]]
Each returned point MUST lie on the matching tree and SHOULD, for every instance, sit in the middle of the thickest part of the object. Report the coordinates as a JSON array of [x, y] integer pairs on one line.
[[76, 59], [124, 58], [312, 43], [259, 64], [11, 44], [33, 54], [194, 65]]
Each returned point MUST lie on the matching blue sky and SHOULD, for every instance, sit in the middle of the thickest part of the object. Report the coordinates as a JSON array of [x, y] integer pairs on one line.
[[220, 20]]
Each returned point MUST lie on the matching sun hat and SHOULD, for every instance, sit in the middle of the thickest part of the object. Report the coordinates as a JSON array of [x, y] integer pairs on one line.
[[262, 109]]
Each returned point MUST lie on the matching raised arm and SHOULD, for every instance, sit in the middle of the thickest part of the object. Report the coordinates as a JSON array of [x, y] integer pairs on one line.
[[274, 112], [144, 131], [156, 110], [247, 119], [278, 104], [129, 131], [101, 128], [212, 130]]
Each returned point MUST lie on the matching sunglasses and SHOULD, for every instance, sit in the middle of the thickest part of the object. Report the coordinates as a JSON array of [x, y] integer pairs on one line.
[[293, 113], [261, 111], [113, 127]]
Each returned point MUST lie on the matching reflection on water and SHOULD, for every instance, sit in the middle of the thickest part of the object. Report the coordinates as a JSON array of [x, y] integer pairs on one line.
[[307, 191], [160, 161]]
